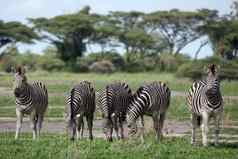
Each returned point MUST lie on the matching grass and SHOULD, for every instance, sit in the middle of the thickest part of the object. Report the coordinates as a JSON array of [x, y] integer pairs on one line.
[[58, 147], [61, 82]]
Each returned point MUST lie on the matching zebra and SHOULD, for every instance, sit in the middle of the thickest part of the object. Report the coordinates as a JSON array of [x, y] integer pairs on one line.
[[204, 101], [80, 103], [113, 102], [30, 99], [150, 99]]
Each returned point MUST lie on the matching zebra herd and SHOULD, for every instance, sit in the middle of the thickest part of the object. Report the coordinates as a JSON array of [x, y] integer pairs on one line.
[[118, 104]]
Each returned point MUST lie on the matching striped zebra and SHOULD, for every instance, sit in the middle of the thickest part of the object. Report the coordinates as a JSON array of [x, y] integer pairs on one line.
[[151, 99], [204, 100], [80, 103], [31, 99], [113, 102]]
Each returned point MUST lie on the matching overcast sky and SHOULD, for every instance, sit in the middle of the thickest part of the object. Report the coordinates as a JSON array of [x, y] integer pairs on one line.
[[19, 10]]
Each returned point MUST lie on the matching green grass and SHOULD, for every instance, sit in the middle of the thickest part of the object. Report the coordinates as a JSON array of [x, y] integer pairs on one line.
[[61, 82], [58, 147]]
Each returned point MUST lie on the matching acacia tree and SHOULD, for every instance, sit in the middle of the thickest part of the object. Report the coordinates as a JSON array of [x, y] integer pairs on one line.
[[223, 36], [132, 34], [13, 32], [105, 33], [178, 28], [68, 33]]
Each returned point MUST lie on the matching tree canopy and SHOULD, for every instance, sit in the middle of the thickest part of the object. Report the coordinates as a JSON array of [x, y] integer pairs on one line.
[[13, 32]]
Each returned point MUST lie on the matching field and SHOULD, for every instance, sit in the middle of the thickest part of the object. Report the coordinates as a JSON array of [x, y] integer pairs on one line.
[[58, 147], [55, 145]]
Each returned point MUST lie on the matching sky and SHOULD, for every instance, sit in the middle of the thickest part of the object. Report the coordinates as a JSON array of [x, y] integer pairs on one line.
[[20, 10]]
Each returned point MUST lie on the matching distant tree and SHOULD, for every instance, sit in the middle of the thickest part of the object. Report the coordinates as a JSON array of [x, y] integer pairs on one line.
[[13, 32], [68, 33], [132, 34], [105, 33], [178, 28], [223, 35]]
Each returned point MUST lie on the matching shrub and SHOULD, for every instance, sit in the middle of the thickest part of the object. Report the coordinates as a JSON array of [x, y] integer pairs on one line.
[[102, 67], [195, 70], [170, 63], [85, 62], [50, 63], [7, 63]]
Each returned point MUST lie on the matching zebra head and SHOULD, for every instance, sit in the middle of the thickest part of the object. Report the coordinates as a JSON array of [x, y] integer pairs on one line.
[[132, 126], [20, 82], [213, 85]]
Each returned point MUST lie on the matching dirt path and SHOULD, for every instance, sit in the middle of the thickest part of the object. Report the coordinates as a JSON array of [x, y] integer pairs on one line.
[[171, 127]]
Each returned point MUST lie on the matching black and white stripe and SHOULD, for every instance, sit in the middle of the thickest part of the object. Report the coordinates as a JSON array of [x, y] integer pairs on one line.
[[113, 102], [31, 99], [150, 99], [204, 100], [79, 104]]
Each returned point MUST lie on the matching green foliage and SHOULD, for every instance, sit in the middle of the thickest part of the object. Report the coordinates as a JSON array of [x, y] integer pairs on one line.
[[178, 28], [68, 33], [49, 61], [10, 58], [13, 32], [170, 63]]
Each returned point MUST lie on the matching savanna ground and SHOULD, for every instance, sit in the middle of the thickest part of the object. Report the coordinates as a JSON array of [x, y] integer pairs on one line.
[[54, 143]]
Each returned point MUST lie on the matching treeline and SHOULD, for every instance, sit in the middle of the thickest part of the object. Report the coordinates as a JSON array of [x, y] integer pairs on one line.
[[149, 41]]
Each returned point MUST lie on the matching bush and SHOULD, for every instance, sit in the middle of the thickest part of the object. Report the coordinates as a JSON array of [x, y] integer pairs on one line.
[[7, 63], [102, 67], [85, 62], [50, 63], [196, 69], [170, 63], [10, 60]]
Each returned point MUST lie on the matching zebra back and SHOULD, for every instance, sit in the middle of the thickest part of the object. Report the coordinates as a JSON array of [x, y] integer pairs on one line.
[[81, 100], [115, 99], [150, 98]]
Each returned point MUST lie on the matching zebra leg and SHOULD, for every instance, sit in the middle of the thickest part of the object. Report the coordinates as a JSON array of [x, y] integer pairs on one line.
[[79, 126], [156, 125], [205, 119], [18, 123], [33, 120], [194, 125], [115, 125], [90, 126], [217, 119], [39, 124], [121, 129], [142, 133], [82, 128], [161, 125], [110, 131]]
